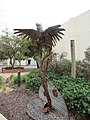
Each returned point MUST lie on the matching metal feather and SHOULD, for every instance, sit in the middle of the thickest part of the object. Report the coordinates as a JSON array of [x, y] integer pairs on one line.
[[46, 38]]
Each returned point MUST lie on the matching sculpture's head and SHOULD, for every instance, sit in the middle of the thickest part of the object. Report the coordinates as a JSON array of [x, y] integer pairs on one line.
[[39, 27]]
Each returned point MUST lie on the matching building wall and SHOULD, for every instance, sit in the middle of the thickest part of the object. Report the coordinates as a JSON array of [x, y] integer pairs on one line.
[[77, 29]]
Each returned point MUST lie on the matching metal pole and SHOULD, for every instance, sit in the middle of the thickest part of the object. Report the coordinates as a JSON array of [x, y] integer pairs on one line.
[[19, 77]]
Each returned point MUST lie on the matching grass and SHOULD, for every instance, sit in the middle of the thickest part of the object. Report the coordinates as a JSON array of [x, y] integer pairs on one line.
[[1, 81]]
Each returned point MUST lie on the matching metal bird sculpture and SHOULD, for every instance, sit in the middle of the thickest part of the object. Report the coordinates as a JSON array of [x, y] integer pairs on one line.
[[47, 38]]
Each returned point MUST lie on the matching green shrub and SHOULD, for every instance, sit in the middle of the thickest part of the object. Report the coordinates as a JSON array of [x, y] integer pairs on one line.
[[14, 79], [33, 80], [23, 78], [76, 93], [52, 75], [1, 80], [83, 69], [62, 67], [9, 68], [79, 69]]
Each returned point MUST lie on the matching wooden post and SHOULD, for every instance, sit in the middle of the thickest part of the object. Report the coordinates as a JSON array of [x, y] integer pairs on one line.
[[73, 62]]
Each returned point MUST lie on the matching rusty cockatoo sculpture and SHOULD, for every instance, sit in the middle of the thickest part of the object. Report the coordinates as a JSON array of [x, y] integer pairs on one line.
[[45, 40]]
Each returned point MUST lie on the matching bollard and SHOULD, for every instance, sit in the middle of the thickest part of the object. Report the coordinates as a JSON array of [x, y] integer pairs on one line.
[[19, 77]]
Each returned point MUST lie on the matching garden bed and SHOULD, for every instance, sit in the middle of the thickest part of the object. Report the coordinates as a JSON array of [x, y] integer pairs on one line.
[[13, 104], [13, 70]]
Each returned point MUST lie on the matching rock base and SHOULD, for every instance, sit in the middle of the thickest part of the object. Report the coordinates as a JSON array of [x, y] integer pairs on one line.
[[34, 110], [35, 107]]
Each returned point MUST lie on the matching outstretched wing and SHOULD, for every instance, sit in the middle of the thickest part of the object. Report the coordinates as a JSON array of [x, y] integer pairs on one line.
[[51, 35], [47, 38], [28, 33]]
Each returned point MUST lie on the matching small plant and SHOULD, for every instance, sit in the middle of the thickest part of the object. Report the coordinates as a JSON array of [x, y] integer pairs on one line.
[[1, 80], [14, 79], [28, 92], [4, 88], [23, 78], [11, 76]]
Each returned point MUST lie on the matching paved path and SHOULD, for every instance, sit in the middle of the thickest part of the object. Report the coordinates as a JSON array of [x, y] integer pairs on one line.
[[2, 117], [9, 74]]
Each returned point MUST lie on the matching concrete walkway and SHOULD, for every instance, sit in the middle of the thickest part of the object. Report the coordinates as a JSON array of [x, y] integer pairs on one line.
[[2, 117], [9, 74]]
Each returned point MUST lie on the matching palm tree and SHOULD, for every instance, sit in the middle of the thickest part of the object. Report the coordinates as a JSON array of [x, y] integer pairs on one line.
[[45, 40]]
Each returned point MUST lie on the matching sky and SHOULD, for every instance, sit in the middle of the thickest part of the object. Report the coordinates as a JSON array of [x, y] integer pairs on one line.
[[26, 13]]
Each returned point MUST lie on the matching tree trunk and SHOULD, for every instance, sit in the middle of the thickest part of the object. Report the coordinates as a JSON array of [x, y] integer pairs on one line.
[[19, 62], [37, 64], [11, 61]]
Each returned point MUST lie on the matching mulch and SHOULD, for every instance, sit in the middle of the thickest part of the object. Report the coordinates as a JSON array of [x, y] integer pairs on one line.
[[13, 104]]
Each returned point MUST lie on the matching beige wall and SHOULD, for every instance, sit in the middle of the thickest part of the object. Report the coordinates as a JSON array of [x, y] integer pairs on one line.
[[77, 29]]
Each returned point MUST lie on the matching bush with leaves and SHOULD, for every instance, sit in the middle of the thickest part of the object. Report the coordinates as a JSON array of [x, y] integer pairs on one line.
[[9, 68], [76, 93], [83, 69], [79, 69], [14, 79], [1, 80], [62, 67], [33, 80]]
